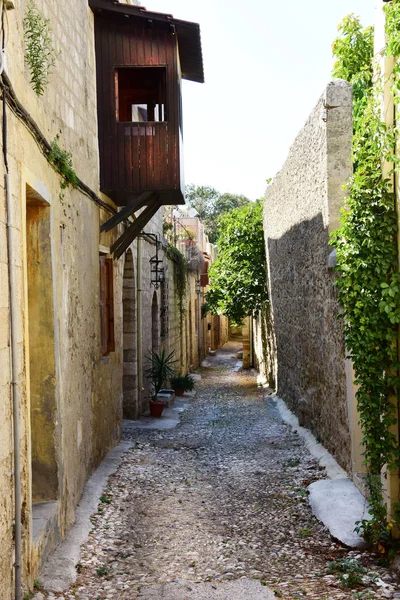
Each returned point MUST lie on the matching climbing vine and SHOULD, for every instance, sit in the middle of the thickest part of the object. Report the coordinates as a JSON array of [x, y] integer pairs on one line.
[[180, 278], [367, 254], [354, 50], [40, 53]]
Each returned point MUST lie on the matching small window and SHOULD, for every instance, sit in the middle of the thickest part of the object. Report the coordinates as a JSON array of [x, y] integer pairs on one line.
[[107, 305], [140, 94]]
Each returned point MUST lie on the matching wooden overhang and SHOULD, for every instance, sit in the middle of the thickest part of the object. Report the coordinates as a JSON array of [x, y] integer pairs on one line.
[[129, 196], [188, 34]]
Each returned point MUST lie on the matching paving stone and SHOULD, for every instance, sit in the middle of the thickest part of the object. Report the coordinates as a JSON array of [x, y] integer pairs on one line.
[[218, 500]]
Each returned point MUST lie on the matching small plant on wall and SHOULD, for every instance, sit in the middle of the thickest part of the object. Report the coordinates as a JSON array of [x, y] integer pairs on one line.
[[61, 160], [40, 53]]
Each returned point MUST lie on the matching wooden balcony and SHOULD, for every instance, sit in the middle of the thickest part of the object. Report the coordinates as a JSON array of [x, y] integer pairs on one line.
[[141, 157]]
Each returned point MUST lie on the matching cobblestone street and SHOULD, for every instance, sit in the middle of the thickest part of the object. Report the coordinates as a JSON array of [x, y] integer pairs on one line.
[[220, 498]]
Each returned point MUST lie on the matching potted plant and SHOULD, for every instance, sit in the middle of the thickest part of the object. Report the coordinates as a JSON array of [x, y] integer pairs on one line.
[[160, 370], [182, 383]]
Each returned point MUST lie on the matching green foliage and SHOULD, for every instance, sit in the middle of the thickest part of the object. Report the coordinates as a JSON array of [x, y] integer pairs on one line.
[[161, 369], [106, 499], [180, 278], [369, 281], [354, 49], [62, 163], [238, 284], [392, 25], [305, 532], [183, 382], [168, 230], [40, 54], [211, 205], [349, 572], [378, 531]]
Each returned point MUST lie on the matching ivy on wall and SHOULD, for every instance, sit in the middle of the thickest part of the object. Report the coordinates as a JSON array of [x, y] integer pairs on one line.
[[180, 279], [367, 253]]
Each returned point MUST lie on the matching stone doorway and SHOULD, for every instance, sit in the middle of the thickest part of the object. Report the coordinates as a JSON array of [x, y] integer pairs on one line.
[[129, 382], [40, 350]]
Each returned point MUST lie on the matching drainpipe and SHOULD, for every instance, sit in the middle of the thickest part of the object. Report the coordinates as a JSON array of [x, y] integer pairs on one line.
[[139, 315], [15, 367]]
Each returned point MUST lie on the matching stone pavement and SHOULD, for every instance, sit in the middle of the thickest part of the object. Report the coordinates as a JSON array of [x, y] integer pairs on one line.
[[216, 508]]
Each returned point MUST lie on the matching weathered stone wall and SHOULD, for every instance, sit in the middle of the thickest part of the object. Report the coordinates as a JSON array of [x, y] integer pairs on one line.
[[301, 208], [80, 389], [264, 347]]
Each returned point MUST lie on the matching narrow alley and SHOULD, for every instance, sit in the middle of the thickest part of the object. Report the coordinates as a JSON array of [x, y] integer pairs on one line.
[[216, 505], [199, 320]]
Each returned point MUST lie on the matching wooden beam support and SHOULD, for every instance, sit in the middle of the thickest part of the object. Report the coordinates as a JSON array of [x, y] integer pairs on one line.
[[122, 243], [126, 212]]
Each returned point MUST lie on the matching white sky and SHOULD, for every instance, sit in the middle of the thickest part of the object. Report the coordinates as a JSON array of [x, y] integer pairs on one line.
[[266, 64]]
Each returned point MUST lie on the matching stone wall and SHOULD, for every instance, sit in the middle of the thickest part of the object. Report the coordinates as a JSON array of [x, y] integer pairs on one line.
[[264, 347], [302, 207], [71, 395]]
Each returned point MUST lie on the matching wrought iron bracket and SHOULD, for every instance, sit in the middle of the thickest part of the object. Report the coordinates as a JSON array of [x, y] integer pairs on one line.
[[156, 270]]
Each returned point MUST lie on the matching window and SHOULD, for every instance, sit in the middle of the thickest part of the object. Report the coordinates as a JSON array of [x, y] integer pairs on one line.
[[107, 305], [140, 94]]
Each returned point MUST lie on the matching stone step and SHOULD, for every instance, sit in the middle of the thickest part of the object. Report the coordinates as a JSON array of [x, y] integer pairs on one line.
[[45, 532]]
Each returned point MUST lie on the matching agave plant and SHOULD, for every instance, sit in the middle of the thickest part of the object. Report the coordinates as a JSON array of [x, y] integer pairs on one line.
[[161, 369]]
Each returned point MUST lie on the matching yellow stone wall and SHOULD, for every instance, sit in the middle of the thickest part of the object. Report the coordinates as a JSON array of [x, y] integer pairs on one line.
[[74, 395], [84, 389]]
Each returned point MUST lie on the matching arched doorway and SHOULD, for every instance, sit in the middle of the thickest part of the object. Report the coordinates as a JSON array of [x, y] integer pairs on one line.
[[130, 396], [155, 324]]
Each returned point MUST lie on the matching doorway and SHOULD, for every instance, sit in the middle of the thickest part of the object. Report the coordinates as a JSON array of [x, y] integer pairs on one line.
[[42, 380]]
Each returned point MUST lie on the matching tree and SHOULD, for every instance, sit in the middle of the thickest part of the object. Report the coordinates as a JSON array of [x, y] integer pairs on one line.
[[353, 50], [227, 202], [238, 277], [211, 205]]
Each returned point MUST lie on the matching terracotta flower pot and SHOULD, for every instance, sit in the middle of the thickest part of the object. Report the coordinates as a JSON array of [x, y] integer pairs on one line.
[[179, 391], [156, 409]]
